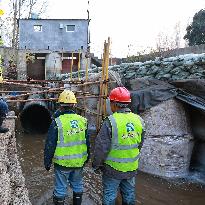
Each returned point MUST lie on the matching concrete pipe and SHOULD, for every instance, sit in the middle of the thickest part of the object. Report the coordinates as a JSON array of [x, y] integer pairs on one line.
[[35, 117]]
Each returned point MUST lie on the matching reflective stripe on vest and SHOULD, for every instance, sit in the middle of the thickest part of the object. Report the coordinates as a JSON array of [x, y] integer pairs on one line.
[[74, 156], [61, 138], [71, 149], [123, 159], [126, 136]]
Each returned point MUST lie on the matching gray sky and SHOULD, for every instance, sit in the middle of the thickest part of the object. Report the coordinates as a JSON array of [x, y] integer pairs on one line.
[[135, 22], [128, 22]]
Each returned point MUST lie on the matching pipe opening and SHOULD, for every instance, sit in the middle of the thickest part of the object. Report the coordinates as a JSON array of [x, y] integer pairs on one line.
[[35, 119], [198, 129]]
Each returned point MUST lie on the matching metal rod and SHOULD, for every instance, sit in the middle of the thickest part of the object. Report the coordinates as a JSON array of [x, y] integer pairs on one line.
[[37, 92], [24, 85], [79, 83], [52, 99], [9, 91]]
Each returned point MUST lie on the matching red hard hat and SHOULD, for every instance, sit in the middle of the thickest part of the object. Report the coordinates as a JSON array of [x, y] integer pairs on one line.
[[120, 94]]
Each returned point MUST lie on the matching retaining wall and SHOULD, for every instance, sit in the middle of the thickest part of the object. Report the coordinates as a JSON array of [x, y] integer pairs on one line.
[[12, 183]]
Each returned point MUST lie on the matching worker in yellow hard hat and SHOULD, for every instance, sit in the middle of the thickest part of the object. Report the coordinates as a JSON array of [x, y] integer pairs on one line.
[[1, 12], [67, 146]]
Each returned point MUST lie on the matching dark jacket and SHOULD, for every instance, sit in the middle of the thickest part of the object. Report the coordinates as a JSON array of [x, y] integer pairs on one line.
[[51, 141], [103, 146], [4, 109]]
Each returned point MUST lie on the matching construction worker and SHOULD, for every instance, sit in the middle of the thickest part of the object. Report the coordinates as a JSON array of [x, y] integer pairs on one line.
[[117, 148], [3, 112], [67, 145]]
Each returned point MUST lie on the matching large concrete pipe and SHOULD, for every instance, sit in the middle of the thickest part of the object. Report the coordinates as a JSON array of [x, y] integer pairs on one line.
[[35, 117], [198, 129], [53, 65]]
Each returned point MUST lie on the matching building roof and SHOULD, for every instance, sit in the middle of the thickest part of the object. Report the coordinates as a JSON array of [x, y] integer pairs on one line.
[[54, 19]]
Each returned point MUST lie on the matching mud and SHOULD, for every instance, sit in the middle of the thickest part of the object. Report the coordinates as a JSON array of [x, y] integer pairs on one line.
[[150, 190]]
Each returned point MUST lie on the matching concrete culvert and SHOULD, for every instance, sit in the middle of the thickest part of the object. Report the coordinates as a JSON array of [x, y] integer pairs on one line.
[[35, 117]]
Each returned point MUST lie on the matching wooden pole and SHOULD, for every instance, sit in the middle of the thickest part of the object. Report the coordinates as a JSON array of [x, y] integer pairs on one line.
[[106, 73], [79, 65], [71, 67], [99, 117], [85, 87]]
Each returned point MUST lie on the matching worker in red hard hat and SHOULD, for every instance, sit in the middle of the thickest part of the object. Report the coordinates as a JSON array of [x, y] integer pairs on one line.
[[117, 148]]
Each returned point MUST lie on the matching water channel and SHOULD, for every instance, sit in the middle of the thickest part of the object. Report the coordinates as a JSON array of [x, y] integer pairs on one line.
[[150, 190]]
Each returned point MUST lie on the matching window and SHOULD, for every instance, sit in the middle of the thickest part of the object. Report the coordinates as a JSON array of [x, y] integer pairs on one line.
[[37, 28], [70, 28]]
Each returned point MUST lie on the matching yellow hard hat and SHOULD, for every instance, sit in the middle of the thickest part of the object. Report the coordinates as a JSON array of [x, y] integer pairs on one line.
[[1, 12], [67, 96]]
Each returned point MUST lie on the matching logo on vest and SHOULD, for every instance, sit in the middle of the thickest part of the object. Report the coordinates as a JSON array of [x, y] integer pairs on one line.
[[131, 133], [74, 124], [130, 127], [75, 129]]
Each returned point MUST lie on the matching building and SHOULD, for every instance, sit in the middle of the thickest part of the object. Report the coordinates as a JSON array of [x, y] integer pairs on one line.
[[56, 44]]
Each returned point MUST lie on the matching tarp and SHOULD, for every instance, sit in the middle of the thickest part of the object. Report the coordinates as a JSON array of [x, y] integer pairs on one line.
[[149, 93], [192, 86]]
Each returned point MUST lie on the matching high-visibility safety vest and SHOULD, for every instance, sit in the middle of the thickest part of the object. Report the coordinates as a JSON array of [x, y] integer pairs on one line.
[[71, 149], [126, 136]]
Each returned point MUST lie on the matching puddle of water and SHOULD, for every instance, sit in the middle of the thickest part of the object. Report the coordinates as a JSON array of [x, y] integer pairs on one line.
[[150, 190]]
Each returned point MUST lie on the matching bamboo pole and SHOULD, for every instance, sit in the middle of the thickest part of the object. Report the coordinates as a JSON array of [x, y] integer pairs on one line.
[[86, 73], [85, 87], [98, 120], [106, 73]]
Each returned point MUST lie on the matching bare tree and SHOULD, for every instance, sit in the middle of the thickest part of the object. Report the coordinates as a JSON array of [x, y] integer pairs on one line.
[[177, 31], [164, 42], [21, 9]]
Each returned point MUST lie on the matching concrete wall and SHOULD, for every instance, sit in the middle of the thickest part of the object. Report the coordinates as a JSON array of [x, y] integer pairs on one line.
[[52, 35], [168, 142], [181, 51], [12, 182]]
